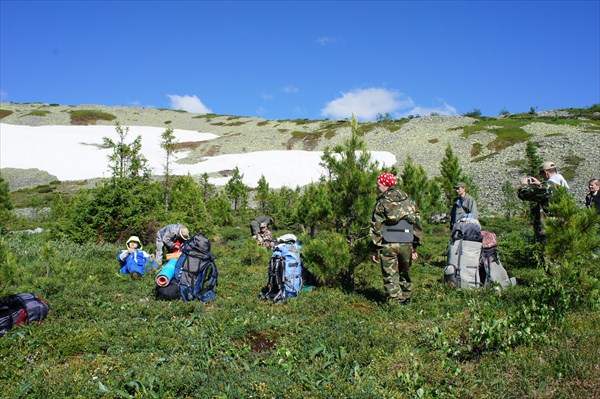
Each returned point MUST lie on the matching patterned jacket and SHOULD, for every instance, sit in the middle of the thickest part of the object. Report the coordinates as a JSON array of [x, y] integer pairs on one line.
[[541, 194], [394, 205], [265, 239]]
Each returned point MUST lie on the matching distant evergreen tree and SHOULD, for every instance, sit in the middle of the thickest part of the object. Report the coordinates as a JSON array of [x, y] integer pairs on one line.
[[208, 189], [415, 183], [128, 203], [314, 207], [451, 173], [110, 213], [262, 194], [186, 200], [126, 160], [532, 167], [282, 204], [220, 210], [236, 190], [168, 144]]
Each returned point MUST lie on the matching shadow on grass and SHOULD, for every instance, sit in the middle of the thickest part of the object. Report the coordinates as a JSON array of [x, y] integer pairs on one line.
[[372, 294]]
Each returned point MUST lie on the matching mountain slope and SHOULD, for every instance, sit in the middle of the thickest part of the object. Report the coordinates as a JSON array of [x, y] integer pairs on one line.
[[491, 150]]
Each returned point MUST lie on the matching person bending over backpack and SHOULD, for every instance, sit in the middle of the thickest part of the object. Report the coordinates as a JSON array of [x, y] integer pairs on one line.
[[133, 260], [167, 237]]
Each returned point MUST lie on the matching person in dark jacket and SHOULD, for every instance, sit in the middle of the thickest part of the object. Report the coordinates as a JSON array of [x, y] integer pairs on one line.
[[592, 199], [396, 233]]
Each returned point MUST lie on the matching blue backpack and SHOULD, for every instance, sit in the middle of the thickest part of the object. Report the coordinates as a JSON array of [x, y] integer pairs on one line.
[[195, 275], [285, 273]]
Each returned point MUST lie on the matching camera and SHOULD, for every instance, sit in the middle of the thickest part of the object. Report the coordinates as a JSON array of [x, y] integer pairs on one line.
[[529, 180]]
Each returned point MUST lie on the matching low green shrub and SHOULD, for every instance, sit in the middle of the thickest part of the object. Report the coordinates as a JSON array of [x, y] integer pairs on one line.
[[4, 113], [89, 117], [326, 257]]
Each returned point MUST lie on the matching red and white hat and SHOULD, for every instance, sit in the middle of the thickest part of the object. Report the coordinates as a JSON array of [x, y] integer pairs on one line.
[[387, 179]]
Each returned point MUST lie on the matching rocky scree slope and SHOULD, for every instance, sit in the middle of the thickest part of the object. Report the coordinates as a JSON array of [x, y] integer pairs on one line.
[[574, 146]]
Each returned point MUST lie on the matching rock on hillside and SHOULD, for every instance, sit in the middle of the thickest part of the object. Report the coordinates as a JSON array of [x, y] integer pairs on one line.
[[489, 160]]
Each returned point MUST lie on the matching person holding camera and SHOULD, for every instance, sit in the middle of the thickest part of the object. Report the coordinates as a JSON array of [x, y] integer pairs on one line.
[[540, 193]]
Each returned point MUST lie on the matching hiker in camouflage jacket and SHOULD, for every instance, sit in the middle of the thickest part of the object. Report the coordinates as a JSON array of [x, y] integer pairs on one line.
[[395, 258], [540, 194]]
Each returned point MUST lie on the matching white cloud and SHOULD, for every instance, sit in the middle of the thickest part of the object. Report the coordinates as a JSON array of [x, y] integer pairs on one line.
[[324, 40], [260, 111], [188, 103], [366, 103], [290, 89], [3, 95], [443, 109], [266, 96]]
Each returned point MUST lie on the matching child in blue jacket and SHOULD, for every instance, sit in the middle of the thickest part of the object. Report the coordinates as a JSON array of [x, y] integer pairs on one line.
[[133, 260]]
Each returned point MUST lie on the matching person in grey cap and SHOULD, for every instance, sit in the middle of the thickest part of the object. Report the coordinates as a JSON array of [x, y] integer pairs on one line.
[[264, 237], [255, 224], [464, 205], [539, 193], [168, 237]]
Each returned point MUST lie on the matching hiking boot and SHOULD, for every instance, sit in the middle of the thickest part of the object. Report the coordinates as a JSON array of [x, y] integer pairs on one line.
[[398, 301], [136, 276]]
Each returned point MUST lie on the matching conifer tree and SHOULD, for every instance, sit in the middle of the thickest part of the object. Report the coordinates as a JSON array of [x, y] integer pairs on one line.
[[532, 167], [262, 193], [314, 207], [6, 205], [168, 144], [236, 190], [415, 183], [350, 186], [451, 173], [282, 204], [186, 199], [208, 190], [571, 232], [126, 160], [220, 210]]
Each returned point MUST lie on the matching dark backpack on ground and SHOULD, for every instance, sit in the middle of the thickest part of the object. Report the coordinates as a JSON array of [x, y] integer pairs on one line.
[[21, 309], [195, 274], [285, 273]]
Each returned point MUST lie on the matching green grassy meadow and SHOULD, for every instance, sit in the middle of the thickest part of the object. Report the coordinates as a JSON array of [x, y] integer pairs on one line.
[[108, 337]]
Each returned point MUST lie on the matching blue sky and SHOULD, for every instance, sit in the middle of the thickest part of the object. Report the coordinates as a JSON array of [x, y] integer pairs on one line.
[[305, 59]]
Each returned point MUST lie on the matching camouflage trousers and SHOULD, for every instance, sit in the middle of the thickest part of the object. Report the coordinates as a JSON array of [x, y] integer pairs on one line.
[[395, 260]]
